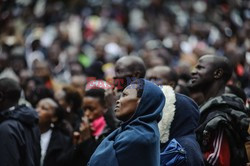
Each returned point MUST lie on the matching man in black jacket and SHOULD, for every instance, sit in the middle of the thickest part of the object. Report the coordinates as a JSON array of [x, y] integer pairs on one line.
[[19, 132]]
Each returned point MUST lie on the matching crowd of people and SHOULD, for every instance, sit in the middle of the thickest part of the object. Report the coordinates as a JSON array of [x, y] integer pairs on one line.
[[123, 82]]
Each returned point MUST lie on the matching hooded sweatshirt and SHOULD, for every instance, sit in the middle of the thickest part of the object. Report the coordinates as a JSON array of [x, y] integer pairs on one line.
[[20, 137], [179, 121], [136, 142]]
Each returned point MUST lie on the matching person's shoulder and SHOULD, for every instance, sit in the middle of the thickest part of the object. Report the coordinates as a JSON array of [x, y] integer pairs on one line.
[[139, 135], [10, 126], [184, 98], [60, 135], [59, 140], [185, 102], [225, 102]]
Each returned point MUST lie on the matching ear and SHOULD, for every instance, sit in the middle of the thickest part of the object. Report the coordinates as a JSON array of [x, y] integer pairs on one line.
[[218, 73]]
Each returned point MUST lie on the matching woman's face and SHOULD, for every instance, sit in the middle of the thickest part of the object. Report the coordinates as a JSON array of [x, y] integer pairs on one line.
[[92, 108], [46, 112], [127, 104]]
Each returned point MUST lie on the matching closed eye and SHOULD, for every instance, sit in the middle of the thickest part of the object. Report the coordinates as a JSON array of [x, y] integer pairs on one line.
[[124, 94]]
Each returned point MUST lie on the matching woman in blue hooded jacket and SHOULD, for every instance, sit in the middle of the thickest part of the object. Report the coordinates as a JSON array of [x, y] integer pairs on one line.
[[136, 142]]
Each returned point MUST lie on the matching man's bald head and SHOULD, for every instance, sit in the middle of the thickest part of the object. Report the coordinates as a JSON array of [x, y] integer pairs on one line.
[[210, 75], [220, 62], [130, 65], [164, 75], [127, 69]]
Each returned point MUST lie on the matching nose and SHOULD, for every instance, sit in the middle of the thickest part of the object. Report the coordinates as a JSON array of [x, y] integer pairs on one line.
[[117, 101], [38, 109], [194, 72], [87, 112]]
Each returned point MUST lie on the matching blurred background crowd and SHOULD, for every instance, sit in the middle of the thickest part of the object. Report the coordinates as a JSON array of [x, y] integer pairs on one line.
[[63, 42], [50, 43]]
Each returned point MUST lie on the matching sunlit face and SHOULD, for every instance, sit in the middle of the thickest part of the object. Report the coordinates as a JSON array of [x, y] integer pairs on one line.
[[202, 75], [46, 111], [92, 108], [127, 104]]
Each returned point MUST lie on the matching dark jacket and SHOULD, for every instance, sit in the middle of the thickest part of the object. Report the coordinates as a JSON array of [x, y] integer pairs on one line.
[[20, 137], [69, 154], [228, 113], [58, 145], [136, 142], [180, 120], [186, 120], [61, 151]]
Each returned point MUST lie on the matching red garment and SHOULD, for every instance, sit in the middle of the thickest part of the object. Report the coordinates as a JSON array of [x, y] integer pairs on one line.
[[98, 126], [240, 70], [219, 153]]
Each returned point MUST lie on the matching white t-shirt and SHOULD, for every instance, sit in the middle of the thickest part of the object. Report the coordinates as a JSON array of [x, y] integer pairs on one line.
[[45, 139]]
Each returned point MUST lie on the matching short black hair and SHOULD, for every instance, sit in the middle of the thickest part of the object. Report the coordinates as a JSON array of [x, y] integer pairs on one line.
[[97, 93], [73, 97], [40, 92], [10, 89]]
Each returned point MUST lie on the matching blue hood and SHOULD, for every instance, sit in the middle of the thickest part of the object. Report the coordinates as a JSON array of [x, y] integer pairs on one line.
[[180, 116], [186, 117], [148, 108], [136, 142], [179, 122]]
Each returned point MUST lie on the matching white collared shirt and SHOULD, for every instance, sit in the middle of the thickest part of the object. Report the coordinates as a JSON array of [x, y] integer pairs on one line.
[[45, 139]]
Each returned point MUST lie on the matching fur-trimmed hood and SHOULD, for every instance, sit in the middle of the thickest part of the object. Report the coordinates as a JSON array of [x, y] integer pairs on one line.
[[179, 121], [180, 115], [168, 113]]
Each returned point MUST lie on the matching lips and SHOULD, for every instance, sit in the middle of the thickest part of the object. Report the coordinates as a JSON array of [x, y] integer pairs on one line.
[[116, 108], [193, 79]]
